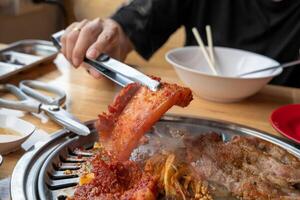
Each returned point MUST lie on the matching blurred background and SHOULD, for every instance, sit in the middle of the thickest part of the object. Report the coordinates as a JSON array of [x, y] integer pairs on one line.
[[26, 19], [38, 19]]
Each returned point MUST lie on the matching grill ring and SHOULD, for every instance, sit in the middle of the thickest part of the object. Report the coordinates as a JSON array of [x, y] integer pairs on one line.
[[33, 173]]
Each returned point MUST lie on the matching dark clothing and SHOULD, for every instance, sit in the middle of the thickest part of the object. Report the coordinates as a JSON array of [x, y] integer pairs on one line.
[[263, 26]]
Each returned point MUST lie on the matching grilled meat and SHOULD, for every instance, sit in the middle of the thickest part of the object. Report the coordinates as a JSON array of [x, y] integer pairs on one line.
[[246, 168], [203, 168], [133, 112], [113, 180], [243, 169]]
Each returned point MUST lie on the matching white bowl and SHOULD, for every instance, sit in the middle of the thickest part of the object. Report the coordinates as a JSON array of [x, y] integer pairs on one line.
[[10, 143], [193, 70]]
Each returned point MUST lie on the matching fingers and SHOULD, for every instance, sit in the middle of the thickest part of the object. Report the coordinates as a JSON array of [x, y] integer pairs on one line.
[[105, 41], [88, 35], [92, 71], [90, 38], [72, 38], [64, 37]]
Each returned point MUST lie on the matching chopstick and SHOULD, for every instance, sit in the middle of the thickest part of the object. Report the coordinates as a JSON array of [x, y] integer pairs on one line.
[[204, 51], [210, 44]]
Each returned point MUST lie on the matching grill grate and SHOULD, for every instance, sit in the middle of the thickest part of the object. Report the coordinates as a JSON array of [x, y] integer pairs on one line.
[[61, 169], [66, 172], [43, 172]]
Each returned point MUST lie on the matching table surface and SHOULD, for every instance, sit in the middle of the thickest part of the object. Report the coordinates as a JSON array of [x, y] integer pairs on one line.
[[87, 97]]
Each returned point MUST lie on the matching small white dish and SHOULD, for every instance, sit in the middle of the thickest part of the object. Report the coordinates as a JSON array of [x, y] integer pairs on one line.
[[192, 68], [19, 130]]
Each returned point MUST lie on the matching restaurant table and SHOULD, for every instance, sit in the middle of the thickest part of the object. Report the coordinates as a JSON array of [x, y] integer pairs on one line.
[[87, 97]]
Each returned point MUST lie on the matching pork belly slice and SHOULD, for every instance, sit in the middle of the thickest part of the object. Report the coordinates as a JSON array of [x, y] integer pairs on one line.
[[244, 170], [133, 112]]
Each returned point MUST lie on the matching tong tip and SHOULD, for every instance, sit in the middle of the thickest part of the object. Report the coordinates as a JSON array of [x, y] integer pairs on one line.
[[154, 86]]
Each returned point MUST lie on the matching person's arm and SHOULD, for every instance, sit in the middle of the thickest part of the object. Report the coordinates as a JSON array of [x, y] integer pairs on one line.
[[149, 23]]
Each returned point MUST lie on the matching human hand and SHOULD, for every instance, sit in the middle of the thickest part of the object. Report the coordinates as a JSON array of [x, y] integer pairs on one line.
[[91, 38]]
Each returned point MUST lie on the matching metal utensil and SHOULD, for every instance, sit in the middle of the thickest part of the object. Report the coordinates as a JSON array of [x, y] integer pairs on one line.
[[1, 160], [113, 69], [24, 54], [285, 65], [33, 101]]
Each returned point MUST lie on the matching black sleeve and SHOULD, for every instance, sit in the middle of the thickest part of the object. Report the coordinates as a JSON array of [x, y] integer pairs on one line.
[[149, 23]]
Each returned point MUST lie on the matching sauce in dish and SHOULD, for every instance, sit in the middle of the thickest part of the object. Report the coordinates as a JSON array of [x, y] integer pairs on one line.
[[9, 135], [8, 131]]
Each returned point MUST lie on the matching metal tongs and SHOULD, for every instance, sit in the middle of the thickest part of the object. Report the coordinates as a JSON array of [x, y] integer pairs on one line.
[[113, 69]]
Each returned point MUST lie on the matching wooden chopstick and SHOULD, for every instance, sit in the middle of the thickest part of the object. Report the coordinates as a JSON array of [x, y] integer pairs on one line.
[[202, 47], [210, 44]]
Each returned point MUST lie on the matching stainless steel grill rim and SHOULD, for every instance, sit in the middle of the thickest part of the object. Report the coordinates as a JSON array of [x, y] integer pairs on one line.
[[40, 173]]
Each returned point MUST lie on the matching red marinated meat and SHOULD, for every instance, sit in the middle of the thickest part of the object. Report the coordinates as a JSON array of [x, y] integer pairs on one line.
[[133, 112]]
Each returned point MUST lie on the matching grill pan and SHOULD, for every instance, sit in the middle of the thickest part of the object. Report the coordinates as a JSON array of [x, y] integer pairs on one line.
[[42, 172]]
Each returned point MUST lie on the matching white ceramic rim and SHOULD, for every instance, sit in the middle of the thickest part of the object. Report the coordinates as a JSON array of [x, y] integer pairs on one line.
[[24, 135], [167, 57]]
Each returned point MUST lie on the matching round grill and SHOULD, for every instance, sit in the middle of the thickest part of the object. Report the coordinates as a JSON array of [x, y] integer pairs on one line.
[[42, 173]]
